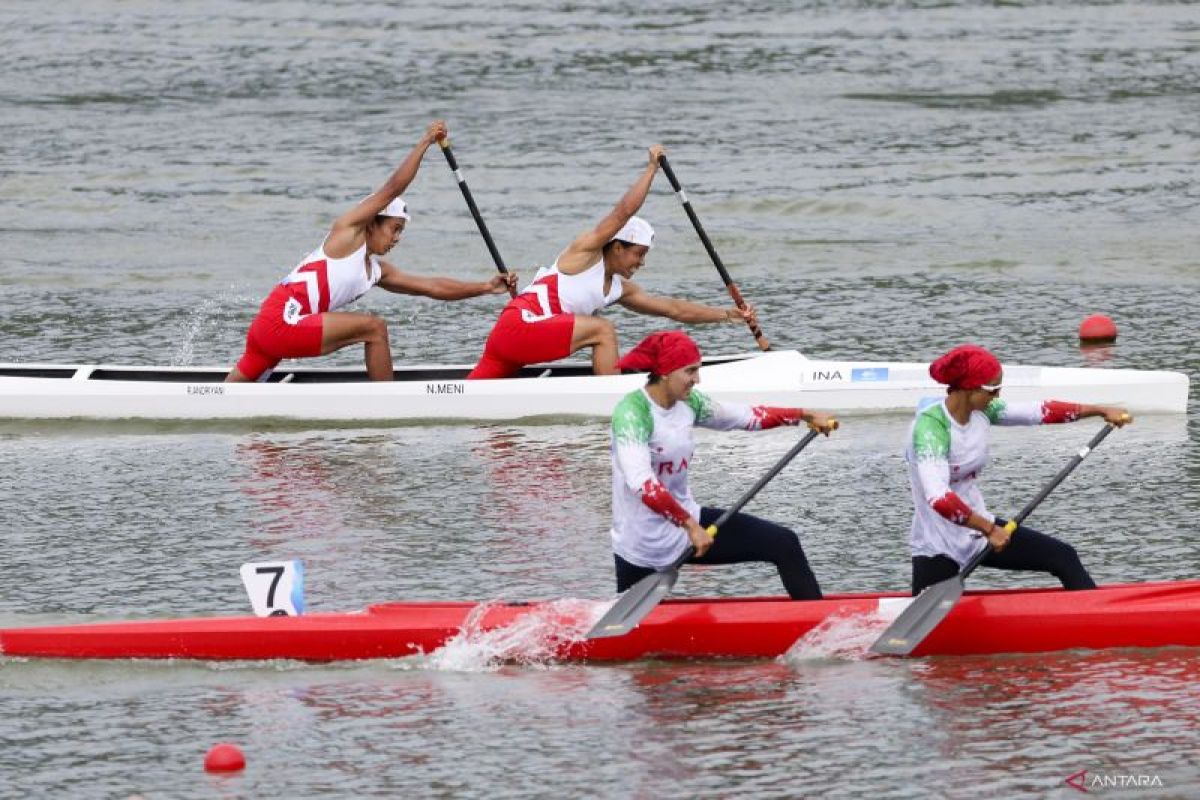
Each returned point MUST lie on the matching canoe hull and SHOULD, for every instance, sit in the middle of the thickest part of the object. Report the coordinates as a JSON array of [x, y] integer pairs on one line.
[[433, 392], [1018, 621]]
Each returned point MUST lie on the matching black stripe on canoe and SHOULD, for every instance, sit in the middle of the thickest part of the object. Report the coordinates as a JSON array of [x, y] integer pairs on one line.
[[37, 372]]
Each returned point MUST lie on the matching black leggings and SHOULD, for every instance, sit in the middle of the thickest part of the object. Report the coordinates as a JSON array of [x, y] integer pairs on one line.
[[1027, 550], [744, 538]]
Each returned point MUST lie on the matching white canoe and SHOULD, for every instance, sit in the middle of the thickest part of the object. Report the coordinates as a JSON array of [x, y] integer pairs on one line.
[[784, 377]]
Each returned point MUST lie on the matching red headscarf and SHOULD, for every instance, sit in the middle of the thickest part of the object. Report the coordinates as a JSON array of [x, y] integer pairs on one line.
[[967, 366], [661, 353]]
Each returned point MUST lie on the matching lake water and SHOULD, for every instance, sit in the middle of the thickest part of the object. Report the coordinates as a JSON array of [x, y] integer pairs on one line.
[[884, 180]]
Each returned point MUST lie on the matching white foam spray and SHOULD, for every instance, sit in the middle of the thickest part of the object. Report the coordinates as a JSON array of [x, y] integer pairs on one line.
[[538, 638], [839, 637]]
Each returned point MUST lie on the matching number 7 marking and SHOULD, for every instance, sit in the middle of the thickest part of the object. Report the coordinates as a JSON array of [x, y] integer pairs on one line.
[[274, 582]]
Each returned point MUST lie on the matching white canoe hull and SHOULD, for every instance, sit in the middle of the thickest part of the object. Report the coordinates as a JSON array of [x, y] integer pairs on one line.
[[48, 391]]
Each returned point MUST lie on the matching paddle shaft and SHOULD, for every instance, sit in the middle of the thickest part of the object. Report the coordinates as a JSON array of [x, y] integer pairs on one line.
[[749, 495], [1035, 502], [712, 251], [466, 193]]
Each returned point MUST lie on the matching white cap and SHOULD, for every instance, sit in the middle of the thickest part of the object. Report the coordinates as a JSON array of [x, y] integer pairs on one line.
[[636, 231], [396, 208]]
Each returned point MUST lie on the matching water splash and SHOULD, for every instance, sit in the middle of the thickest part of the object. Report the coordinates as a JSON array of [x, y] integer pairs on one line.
[[539, 638], [201, 320], [840, 637], [206, 321]]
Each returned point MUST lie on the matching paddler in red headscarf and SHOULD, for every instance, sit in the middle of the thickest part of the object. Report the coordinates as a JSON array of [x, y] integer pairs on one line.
[[948, 448], [655, 517]]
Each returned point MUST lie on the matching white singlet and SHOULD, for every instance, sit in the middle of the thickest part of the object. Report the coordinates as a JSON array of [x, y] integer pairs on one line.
[[322, 283], [552, 292]]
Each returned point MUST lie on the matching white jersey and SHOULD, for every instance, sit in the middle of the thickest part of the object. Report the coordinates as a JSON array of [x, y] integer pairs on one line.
[[652, 447], [944, 462], [552, 292], [322, 283]]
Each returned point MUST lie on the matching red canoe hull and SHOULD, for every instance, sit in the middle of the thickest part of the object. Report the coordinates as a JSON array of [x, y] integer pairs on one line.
[[1010, 621]]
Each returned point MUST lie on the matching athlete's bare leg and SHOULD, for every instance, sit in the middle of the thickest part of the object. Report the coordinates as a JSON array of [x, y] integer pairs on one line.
[[600, 335], [341, 329]]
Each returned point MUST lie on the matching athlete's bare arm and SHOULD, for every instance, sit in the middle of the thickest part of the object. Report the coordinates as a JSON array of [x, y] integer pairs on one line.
[[400, 282], [348, 231], [585, 250], [635, 298]]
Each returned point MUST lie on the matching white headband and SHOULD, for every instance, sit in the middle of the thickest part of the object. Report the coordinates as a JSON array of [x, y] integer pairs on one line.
[[636, 231], [396, 208]]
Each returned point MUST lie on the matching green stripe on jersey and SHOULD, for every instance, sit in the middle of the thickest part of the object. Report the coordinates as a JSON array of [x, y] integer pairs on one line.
[[995, 410], [702, 405], [632, 422], [931, 434]]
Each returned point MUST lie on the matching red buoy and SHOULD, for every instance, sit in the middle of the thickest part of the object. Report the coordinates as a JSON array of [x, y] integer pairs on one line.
[[1097, 329], [224, 757]]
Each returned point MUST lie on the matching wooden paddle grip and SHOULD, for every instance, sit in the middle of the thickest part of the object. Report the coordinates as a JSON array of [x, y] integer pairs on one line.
[[763, 344]]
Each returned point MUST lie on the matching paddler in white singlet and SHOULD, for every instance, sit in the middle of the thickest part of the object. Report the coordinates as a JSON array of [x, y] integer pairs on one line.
[[300, 317], [555, 315]]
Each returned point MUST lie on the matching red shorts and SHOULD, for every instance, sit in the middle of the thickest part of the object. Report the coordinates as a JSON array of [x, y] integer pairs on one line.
[[272, 339], [513, 343]]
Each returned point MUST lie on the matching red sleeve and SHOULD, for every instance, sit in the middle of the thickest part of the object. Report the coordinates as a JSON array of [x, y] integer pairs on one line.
[[660, 501], [952, 507], [1054, 411], [772, 416]]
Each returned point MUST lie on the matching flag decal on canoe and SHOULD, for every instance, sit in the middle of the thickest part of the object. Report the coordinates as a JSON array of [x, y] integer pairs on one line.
[[869, 374]]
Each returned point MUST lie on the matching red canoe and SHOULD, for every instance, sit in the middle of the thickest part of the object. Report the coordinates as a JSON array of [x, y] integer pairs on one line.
[[986, 622]]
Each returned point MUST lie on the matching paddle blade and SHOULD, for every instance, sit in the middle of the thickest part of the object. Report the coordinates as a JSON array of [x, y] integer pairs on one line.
[[633, 606], [920, 618]]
